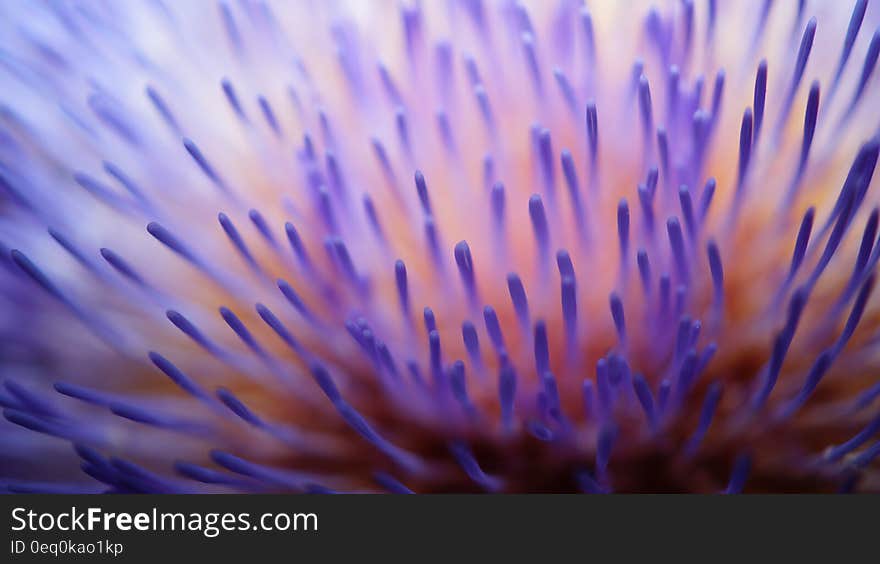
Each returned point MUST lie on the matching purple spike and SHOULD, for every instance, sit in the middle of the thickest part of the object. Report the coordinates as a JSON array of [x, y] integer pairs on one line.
[[663, 149], [325, 209], [237, 241], [542, 348], [710, 403], [867, 70], [565, 88], [210, 476], [237, 407], [852, 31], [589, 36], [230, 26], [384, 162], [260, 223], [412, 28], [617, 314], [717, 95], [162, 108], [373, 219], [497, 202], [603, 387], [646, 399], [569, 307], [761, 24], [664, 293], [391, 484], [700, 124], [471, 467], [458, 386], [102, 192], [688, 6], [834, 454], [717, 273], [645, 110], [711, 20], [232, 99], [651, 180], [178, 377], [644, 269], [344, 257], [506, 393], [436, 360], [484, 106], [745, 151], [471, 342], [391, 90], [433, 242], [422, 190], [687, 374], [32, 401], [334, 172], [308, 147], [803, 239], [325, 382], [488, 170], [706, 198], [539, 225], [112, 115], [814, 376], [588, 485], [604, 445], [866, 457], [780, 348], [759, 98], [466, 270], [865, 249], [297, 245], [741, 467], [679, 253], [430, 320], [471, 69], [809, 124], [866, 398], [682, 336], [400, 281], [800, 65], [647, 205], [402, 129], [672, 92], [687, 210], [238, 326], [663, 392], [445, 131], [518, 298], [528, 42], [121, 266], [275, 324], [126, 182], [443, 54], [545, 154], [855, 315], [563, 262], [294, 299], [269, 115], [588, 398], [623, 230], [87, 395], [592, 133], [204, 165]]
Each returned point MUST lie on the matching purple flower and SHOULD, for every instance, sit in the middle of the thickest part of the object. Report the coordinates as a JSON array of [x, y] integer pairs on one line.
[[463, 246]]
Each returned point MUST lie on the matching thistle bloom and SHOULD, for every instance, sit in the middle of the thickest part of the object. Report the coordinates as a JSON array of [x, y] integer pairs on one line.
[[444, 246]]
